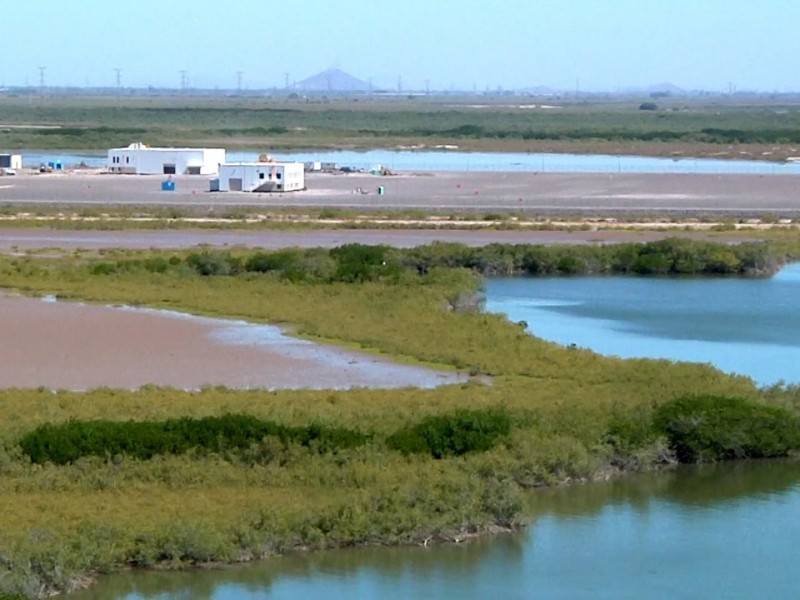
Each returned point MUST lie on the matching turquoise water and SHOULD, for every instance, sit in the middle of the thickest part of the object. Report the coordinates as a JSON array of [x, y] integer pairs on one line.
[[718, 531], [745, 326]]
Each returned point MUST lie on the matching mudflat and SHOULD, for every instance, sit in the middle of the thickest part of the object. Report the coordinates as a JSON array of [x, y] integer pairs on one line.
[[74, 346]]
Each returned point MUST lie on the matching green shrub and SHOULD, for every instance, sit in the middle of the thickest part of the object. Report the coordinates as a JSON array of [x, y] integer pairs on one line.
[[711, 428], [67, 442], [104, 268], [453, 435], [214, 263], [359, 263]]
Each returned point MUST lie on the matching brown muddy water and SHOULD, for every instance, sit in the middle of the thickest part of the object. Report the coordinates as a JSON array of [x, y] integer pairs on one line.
[[75, 346]]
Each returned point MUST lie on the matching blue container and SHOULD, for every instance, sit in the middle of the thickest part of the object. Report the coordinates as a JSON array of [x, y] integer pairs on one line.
[[168, 185]]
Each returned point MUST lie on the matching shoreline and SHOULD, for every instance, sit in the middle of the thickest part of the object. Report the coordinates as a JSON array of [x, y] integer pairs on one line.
[[75, 346]]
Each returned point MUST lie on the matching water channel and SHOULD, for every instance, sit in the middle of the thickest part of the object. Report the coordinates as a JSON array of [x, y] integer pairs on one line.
[[715, 531], [745, 326], [718, 531], [441, 160]]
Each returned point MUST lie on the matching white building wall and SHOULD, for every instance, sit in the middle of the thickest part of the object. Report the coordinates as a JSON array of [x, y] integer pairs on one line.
[[141, 160], [11, 161], [261, 177]]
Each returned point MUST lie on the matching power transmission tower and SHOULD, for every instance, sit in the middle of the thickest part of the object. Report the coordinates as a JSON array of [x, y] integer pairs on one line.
[[183, 80], [286, 81], [239, 81], [41, 77]]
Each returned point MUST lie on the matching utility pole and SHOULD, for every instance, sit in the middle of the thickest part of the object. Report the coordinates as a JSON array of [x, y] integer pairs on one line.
[[427, 87], [399, 84], [286, 81]]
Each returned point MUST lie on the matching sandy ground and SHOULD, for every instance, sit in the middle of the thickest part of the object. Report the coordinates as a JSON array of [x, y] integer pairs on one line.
[[74, 346], [530, 193], [19, 240]]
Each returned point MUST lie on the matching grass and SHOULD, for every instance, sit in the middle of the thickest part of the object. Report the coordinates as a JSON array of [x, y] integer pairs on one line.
[[682, 126], [552, 415]]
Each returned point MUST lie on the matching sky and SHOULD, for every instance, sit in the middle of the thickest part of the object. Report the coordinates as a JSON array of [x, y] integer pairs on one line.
[[591, 45]]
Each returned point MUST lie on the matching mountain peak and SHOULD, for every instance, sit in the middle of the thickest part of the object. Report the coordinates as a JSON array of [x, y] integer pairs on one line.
[[333, 80]]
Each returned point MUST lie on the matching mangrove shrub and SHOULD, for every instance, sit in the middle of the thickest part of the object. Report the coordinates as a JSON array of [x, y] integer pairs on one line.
[[67, 442], [712, 428], [453, 435]]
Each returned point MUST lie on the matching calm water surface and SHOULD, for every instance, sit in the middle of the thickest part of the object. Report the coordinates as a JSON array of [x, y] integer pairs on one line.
[[431, 160], [745, 326], [718, 531]]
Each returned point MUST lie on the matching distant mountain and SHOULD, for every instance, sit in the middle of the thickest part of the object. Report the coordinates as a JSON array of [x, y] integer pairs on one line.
[[332, 80], [666, 88]]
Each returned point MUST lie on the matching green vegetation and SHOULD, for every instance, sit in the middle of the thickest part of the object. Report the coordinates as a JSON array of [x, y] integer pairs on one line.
[[694, 127], [92, 482], [358, 263], [453, 435], [65, 443], [708, 428]]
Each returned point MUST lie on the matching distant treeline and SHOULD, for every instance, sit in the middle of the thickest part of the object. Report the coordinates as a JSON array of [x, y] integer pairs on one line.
[[357, 263], [709, 135]]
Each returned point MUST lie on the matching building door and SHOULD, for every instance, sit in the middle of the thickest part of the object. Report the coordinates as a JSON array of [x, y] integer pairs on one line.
[[235, 184], [169, 169]]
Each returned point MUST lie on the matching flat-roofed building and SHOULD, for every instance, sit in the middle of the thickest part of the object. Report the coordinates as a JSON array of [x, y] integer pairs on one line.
[[140, 159], [261, 177]]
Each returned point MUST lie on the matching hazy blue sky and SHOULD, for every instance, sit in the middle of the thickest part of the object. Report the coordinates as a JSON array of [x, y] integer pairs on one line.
[[603, 44]]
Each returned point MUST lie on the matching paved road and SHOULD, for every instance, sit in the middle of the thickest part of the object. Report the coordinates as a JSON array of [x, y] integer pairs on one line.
[[531, 193]]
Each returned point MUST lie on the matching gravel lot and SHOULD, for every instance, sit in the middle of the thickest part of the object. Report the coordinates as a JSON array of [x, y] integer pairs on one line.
[[554, 194]]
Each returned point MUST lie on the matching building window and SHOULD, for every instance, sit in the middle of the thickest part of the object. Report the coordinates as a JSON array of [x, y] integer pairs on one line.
[[278, 175], [261, 176], [127, 160]]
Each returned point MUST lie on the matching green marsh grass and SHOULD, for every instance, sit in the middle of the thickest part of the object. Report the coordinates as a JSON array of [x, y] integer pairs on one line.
[[572, 415]]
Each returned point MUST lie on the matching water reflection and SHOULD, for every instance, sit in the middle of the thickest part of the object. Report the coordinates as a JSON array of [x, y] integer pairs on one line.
[[664, 535], [714, 485]]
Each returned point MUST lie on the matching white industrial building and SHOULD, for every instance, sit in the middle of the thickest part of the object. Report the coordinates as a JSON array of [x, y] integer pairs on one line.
[[140, 159], [10, 161], [261, 177]]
